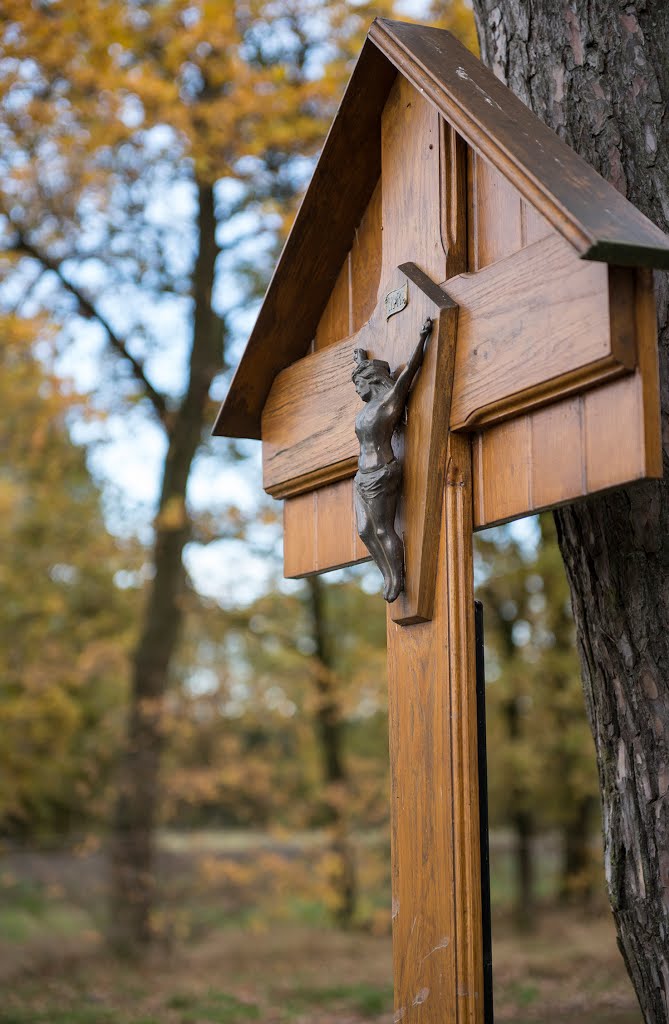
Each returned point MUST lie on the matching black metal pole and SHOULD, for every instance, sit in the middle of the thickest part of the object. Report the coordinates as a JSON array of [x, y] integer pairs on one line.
[[488, 1012]]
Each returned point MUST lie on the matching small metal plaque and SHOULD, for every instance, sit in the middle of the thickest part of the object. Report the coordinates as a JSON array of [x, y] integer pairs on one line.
[[396, 300]]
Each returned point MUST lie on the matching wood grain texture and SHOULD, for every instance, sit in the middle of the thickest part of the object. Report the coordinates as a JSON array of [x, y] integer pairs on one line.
[[568, 194], [437, 943], [410, 161], [354, 295], [409, 213], [335, 322], [587, 210], [533, 327], [299, 536], [453, 190], [604, 438], [365, 259], [425, 436], [308, 422], [324, 231], [319, 531], [495, 226], [421, 447], [424, 459]]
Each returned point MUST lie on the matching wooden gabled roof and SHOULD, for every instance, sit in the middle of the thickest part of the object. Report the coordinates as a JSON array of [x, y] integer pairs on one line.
[[589, 212]]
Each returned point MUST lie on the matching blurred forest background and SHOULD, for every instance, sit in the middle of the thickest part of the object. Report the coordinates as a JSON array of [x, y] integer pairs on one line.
[[194, 765]]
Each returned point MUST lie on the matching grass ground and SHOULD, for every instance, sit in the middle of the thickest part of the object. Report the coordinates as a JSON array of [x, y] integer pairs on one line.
[[240, 966]]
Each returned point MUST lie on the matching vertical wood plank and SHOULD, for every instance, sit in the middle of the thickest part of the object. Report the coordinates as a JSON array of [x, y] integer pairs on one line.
[[319, 531], [503, 480], [453, 198], [410, 147], [335, 524], [299, 535], [366, 263], [613, 434], [557, 463], [437, 940], [464, 731], [335, 323], [533, 227], [498, 221], [437, 953]]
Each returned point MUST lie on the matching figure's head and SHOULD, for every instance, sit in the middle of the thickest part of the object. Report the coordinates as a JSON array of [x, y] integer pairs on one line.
[[370, 375]]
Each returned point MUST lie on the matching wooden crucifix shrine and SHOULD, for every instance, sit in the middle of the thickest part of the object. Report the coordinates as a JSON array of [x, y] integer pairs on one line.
[[440, 197]]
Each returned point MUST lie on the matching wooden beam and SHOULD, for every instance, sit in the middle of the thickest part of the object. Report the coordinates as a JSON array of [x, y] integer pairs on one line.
[[436, 898], [534, 327], [423, 456], [606, 437], [580, 445]]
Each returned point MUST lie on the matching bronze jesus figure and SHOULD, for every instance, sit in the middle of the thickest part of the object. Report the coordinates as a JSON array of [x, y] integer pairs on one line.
[[379, 478]]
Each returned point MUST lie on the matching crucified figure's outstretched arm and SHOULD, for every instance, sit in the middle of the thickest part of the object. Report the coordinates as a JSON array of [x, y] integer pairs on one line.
[[400, 392]]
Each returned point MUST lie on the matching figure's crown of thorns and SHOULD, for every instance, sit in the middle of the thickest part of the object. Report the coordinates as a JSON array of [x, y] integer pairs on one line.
[[368, 368]]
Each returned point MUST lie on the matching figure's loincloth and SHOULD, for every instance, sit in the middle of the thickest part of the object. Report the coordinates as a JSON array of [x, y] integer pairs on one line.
[[383, 482]]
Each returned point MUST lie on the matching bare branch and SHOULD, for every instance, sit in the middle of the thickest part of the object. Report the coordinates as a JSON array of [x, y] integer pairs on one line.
[[90, 310]]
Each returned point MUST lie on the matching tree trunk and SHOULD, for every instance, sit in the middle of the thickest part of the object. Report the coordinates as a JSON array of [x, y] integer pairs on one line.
[[330, 735], [133, 889], [521, 819], [524, 910], [577, 881], [596, 71]]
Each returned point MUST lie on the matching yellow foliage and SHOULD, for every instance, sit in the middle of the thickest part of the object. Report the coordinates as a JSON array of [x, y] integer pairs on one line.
[[65, 629]]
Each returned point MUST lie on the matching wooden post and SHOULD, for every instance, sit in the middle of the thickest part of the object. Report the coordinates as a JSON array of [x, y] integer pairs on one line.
[[436, 905]]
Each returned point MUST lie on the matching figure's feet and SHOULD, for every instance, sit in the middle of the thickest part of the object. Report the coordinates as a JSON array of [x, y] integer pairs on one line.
[[392, 586]]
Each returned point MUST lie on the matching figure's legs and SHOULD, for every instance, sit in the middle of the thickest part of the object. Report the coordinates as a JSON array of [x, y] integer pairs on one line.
[[394, 549], [373, 536]]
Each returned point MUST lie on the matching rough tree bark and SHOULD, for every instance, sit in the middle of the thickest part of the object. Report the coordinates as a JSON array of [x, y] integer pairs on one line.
[[133, 840], [597, 72], [330, 736]]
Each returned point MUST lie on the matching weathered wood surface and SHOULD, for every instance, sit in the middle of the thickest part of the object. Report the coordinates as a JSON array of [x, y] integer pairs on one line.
[[553, 455], [419, 130], [437, 934], [422, 451], [533, 327], [592, 215], [354, 295], [323, 233], [572, 447]]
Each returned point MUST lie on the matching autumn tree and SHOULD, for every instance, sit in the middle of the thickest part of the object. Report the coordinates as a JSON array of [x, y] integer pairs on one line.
[[596, 72], [258, 691], [143, 145], [512, 768], [337, 678], [66, 627], [541, 759]]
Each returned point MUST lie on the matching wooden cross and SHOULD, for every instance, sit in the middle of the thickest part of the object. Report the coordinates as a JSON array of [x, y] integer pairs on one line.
[[539, 387]]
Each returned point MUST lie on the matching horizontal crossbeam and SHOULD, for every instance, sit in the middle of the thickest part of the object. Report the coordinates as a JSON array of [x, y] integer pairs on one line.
[[533, 328]]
